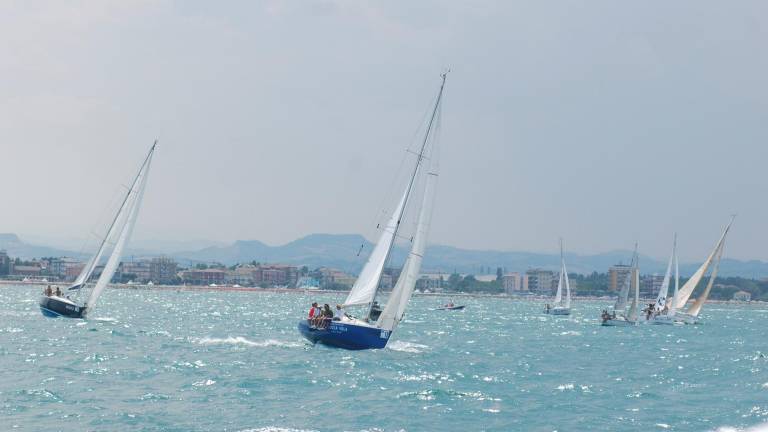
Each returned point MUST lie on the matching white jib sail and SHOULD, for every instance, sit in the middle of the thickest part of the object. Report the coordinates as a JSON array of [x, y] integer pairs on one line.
[[621, 302], [364, 290], [632, 316], [699, 303], [673, 303], [685, 292], [401, 294], [559, 294], [126, 221], [661, 299], [567, 288]]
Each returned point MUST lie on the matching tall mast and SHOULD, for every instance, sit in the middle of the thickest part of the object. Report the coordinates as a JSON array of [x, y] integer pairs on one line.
[[419, 159], [119, 210]]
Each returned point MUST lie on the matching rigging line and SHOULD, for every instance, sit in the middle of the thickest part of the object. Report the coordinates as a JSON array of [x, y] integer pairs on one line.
[[410, 184], [128, 195], [391, 189]]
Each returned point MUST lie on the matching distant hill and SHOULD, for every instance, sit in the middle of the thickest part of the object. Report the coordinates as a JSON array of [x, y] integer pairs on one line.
[[341, 251], [344, 251], [15, 247]]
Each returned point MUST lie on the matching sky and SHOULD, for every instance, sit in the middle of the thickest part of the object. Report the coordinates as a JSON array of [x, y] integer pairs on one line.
[[602, 122]]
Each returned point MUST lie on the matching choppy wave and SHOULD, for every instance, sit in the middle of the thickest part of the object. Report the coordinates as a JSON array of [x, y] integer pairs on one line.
[[277, 429], [409, 347], [758, 428], [239, 340]]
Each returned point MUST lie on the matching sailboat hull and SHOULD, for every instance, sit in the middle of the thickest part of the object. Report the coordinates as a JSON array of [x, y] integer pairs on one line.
[[345, 335], [54, 307], [685, 318], [558, 311]]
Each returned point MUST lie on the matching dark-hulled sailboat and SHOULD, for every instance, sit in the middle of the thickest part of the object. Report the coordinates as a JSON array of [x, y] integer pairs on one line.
[[79, 298], [372, 331]]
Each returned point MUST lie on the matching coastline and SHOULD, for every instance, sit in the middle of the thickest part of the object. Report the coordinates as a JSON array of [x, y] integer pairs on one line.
[[230, 288]]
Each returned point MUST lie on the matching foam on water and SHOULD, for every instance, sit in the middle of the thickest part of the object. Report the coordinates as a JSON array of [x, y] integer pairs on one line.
[[239, 340], [408, 347]]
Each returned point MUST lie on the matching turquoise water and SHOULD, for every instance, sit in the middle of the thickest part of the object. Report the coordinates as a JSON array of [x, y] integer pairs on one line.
[[206, 361]]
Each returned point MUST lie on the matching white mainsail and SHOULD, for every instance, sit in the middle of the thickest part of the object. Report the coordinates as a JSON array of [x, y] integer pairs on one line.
[[563, 283], [365, 287], [401, 294], [621, 301], [127, 219], [681, 298]]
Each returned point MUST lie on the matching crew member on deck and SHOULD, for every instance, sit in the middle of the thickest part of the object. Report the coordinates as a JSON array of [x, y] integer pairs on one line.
[[314, 314], [339, 313], [58, 292], [48, 291]]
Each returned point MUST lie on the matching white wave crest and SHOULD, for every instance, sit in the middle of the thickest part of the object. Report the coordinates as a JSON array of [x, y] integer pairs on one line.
[[277, 429], [759, 428], [239, 340], [409, 347]]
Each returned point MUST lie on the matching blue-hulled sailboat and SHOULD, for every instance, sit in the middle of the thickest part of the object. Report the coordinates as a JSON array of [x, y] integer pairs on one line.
[[78, 299], [373, 329]]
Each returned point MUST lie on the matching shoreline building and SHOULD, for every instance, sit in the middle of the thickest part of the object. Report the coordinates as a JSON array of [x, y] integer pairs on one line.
[[539, 281], [650, 286], [617, 276], [512, 282]]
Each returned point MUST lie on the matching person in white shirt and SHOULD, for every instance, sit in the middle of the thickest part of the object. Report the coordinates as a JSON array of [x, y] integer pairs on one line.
[[339, 313]]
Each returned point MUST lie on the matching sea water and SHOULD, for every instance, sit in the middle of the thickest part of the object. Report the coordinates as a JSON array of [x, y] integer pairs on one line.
[[234, 361]]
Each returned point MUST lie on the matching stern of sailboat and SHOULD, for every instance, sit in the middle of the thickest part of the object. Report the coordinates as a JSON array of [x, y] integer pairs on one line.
[[54, 307]]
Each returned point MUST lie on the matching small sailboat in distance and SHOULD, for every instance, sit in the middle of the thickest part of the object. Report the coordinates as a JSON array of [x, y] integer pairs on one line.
[[560, 307], [663, 311], [631, 282], [69, 304], [371, 331]]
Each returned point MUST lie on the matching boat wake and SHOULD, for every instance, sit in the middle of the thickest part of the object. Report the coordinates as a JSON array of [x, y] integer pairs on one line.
[[409, 347], [277, 429], [759, 428], [239, 340]]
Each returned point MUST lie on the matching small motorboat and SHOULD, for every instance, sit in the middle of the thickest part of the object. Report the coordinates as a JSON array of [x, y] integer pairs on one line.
[[450, 307]]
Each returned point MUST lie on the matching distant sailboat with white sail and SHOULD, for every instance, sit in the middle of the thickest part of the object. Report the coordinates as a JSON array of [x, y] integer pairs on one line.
[[664, 309], [620, 317], [69, 304], [691, 316], [560, 307], [374, 328]]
